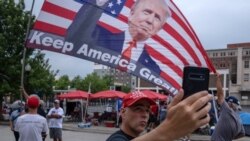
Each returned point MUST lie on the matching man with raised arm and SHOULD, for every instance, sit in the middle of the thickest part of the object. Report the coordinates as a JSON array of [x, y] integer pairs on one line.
[[184, 116]]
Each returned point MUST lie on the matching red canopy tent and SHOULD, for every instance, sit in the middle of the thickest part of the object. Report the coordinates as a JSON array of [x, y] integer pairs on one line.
[[108, 94], [154, 95], [78, 94]]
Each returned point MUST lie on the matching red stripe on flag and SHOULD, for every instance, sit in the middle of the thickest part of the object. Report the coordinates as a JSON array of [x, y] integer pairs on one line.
[[185, 28], [171, 48], [109, 27], [172, 81], [183, 42], [193, 36], [129, 3], [164, 60], [59, 11], [122, 18], [45, 27]]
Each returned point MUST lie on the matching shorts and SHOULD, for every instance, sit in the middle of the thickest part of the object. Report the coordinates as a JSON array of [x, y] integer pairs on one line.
[[55, 133]]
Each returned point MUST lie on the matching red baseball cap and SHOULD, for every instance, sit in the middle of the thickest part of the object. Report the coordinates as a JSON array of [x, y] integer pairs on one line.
[[33, 101], [134, 97]]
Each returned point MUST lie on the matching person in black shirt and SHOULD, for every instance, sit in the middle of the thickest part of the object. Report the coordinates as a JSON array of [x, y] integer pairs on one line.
[[120, 136], [135, 114]]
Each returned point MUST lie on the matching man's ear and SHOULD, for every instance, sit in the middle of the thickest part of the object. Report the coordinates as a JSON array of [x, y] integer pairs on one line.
[[122, 112]]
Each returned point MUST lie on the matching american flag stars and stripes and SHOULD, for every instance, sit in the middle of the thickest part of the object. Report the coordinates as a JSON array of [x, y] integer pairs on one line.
[[173, 47]]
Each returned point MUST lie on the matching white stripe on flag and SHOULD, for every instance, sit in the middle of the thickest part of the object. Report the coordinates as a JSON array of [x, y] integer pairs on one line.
[[181, 31], [113, 22], [125, 11], [67, 4], [166, 69], [54, 20], [175, 43], [163, 50], [171, 6]]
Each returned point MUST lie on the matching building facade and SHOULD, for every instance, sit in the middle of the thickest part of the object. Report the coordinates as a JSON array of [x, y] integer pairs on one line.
[[119, 78], [235, 58], [233, 63]]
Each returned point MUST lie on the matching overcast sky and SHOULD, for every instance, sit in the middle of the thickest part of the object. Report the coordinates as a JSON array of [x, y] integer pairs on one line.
[[216, 23]]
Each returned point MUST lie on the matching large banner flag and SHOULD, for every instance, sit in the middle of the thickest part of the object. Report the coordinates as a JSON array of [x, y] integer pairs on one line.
[[148, 38]]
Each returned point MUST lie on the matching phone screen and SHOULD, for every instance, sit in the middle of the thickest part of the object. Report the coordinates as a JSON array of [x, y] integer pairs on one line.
[[195, 79]]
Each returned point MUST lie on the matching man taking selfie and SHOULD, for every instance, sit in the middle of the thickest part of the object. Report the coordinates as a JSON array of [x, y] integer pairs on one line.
[[184, 116]]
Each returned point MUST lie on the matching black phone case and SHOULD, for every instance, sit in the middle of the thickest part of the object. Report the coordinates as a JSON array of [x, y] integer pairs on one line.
[[195, 79]]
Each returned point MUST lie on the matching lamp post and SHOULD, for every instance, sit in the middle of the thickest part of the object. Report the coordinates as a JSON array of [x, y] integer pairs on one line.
[[24, 49], [27, 70]]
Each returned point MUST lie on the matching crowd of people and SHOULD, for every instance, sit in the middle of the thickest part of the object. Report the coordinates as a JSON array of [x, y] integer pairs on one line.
[[30, 122], [171, 120], [182, 118], [138, 113]]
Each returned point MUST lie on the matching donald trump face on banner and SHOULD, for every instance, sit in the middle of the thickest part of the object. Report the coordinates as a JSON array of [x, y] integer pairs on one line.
[[147, 18]]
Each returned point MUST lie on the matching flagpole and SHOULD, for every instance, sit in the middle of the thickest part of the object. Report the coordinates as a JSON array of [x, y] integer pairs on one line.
[[24, 49], [117, 112], [82, 110], [215, 109], [86, 109]]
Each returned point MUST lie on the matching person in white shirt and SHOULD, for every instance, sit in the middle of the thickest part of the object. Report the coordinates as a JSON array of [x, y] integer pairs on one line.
[[31, 126], [55, 116]]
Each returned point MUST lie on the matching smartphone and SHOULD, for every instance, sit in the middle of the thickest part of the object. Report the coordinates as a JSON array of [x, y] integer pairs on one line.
[[195, 79]]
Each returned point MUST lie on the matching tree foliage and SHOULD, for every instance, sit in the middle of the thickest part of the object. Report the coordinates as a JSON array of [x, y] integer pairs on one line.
[[92, 80], [97, 83], [13, 25], [41, 78], [13, 22], [62, 83]]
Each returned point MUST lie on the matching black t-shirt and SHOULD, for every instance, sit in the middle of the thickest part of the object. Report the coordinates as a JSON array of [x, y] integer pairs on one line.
[[41, 112], [119, 136]]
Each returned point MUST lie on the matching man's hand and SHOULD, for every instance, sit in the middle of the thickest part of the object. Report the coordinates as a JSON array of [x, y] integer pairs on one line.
[[23, 92], [184, 116], [189, 114], [220, 93], [54, 116]]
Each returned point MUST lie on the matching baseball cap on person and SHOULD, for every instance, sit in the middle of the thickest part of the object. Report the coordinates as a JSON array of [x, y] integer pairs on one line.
[[56, 101], [233, 100], [134, 97], [33, 101]]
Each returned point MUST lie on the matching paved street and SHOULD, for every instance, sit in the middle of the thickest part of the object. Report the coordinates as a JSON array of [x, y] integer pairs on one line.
[[6, 135], [96, 133]]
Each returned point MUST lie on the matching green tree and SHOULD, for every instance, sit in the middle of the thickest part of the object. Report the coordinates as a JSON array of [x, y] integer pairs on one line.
[[62, 83], [97, 83], [13, 22], [126, 89], [76, 82], [108, 80], [41, 78], [13, 25]]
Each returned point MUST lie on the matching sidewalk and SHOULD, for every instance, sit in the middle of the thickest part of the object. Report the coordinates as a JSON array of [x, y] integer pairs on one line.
[[107, 130], [93, 129], [73, 126]]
